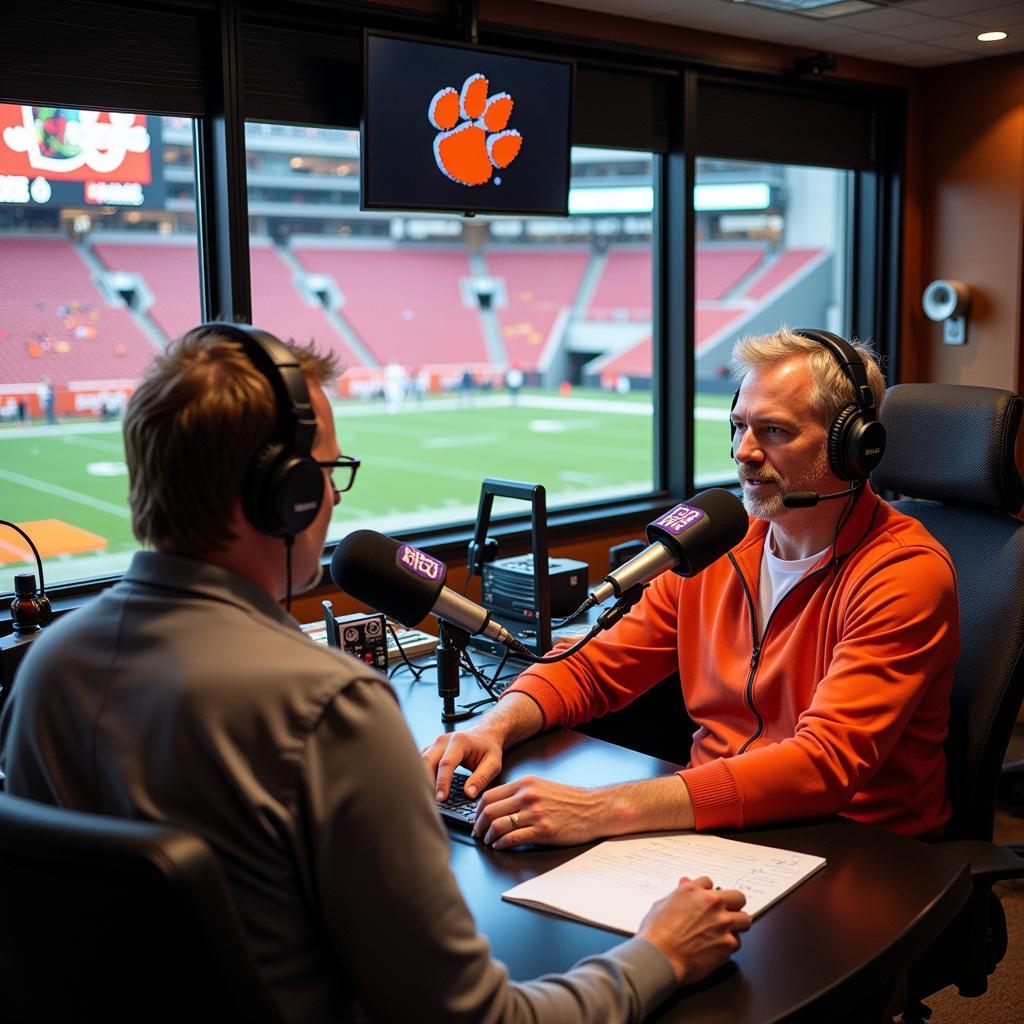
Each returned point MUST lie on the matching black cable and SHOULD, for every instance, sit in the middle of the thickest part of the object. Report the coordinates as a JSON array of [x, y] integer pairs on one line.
[[470, 710], [488, 684], [416, 672], [842, 520], [584, 607], [605, 620], [35, 551], [466, 662], [289, 541], [498, 670]]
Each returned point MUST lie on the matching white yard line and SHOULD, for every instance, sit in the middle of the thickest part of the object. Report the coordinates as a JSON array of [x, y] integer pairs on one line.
[[60, 430], [121, 511]]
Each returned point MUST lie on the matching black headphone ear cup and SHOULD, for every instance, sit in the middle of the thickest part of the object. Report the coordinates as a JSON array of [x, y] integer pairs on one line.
[[299, 488], [257, 489], [283, 491], [865, 446], [841, 458]]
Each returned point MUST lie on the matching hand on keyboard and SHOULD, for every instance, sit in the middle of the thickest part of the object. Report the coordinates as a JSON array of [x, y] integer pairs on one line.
[[459, 810]]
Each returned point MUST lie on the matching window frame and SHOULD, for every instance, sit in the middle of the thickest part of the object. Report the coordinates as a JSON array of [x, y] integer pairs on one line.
[[222, 212]]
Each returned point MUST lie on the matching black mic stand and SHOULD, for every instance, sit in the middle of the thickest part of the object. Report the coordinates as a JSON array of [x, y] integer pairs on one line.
[[628, 598], [449, 655]]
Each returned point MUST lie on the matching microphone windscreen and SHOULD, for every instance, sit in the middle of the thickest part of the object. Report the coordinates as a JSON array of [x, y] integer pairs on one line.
[[394, 578], [702, 529]]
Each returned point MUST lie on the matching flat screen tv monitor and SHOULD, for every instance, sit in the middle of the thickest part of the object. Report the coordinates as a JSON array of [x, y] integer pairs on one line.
[[463, 129]]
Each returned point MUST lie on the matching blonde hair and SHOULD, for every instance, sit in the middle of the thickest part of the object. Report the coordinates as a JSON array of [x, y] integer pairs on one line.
[[832, 389], [191, 429]]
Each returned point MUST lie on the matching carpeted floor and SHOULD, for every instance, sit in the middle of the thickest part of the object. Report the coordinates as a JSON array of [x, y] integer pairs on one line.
[[1003, 1003]]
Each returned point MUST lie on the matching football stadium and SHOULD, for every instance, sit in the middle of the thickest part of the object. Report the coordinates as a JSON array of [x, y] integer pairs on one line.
[[503, 346]]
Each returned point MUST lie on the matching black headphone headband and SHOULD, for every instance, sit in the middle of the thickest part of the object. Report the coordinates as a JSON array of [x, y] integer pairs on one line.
[[295, 416], [851, 363], [283, 487]]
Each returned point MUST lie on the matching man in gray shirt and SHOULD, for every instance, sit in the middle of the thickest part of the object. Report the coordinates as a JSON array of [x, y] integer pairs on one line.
[[184, 694]]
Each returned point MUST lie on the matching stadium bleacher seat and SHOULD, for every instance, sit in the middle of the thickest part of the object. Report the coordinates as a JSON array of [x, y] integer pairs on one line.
[[638, 359], [54, 322], [624, 289], [710, 320], [170, 270], [780, 271], [404, 304], [279, 308], [720, 270], [539, 286]]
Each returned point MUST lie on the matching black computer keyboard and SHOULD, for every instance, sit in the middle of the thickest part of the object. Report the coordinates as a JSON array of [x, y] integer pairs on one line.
[[458, 810]]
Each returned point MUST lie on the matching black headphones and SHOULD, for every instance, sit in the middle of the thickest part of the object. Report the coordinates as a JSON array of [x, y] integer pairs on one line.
[[856, 437], [283, 488]]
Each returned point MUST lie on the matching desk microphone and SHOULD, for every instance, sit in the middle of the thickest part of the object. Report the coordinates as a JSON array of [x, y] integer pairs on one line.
[[408, 584], [686, 539], [808, 499]]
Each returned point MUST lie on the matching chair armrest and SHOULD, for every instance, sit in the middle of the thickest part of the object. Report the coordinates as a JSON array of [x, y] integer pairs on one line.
[[990, 862], [969, 950]]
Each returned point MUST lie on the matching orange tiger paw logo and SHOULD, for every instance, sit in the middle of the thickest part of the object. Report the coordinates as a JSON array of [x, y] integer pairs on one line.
[[469, 152]]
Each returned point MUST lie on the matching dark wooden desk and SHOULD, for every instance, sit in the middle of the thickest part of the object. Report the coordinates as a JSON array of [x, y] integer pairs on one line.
[[844, 934]]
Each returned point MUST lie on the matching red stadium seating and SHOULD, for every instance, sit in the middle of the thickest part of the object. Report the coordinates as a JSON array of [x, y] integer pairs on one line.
[[777, 274], [638, 359], [710, 320], [170, 270], [405, 304], [280, 309], [55, 323], [538, 287], [720, 270], [624, 290]]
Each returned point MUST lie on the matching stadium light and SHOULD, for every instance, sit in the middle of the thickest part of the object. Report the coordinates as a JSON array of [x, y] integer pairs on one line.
[[751, 195], [624, 199]]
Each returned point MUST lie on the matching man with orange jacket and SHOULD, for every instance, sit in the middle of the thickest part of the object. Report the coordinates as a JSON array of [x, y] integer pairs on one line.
[[815, 658]]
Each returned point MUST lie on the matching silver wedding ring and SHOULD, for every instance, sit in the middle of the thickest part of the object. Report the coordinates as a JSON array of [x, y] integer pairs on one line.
[[514, 818]]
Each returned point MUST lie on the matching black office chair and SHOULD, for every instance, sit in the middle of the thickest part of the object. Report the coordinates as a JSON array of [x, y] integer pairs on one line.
[[109, 920], [950, 455]]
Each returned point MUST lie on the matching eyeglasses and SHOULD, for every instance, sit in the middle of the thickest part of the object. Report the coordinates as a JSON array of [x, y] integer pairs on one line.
[[348, 466]]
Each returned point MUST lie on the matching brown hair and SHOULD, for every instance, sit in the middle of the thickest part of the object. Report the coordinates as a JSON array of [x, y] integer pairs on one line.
[[191, 429], [832, 390]]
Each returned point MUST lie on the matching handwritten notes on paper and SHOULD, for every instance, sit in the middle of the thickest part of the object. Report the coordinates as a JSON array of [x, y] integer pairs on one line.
[[614, 884]]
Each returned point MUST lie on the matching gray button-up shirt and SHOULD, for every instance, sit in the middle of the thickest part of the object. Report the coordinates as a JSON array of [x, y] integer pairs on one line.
[[185, 695]]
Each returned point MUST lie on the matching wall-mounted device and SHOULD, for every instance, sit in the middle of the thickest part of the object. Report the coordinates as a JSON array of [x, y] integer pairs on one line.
[[948, 303]]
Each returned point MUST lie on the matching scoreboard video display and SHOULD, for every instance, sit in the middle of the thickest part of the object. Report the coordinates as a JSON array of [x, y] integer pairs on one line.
[[54, 156]]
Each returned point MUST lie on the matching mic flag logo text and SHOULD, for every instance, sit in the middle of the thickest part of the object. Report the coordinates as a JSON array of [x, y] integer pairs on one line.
[[472, 140], [680, 518], [420, 563]]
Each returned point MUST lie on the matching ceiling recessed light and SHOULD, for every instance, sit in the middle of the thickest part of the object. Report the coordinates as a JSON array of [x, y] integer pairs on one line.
[[991, 37]]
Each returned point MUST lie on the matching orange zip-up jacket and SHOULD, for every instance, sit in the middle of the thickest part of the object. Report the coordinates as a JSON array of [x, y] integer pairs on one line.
[[841, 706]]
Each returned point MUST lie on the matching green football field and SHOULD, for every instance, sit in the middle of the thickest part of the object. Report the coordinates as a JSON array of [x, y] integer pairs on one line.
[[421, 465]]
